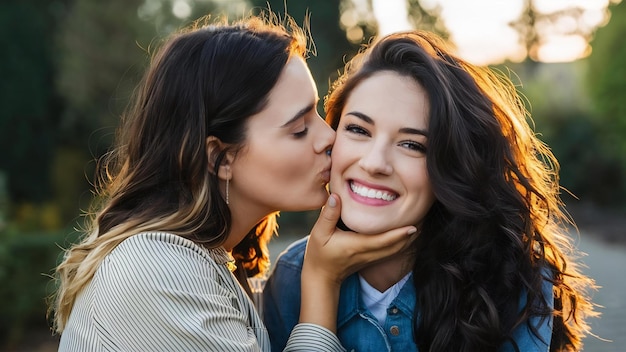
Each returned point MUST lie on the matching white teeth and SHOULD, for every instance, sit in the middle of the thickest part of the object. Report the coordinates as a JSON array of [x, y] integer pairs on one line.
[[371, 193]]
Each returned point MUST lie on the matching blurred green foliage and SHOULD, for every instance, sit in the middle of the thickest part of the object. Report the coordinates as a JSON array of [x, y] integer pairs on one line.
[[26, 263], [30, 106], [4, 201], [606, 83], [557, 97]]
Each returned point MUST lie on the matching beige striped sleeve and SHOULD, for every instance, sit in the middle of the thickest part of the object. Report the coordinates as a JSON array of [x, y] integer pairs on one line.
[[312, 338], [155, 293]]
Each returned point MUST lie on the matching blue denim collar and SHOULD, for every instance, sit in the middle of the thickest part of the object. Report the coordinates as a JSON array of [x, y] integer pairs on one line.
[[351, 302]]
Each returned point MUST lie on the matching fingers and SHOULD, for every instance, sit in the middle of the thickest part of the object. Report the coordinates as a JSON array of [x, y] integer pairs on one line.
[[395, 238], [333, 254], [364, 250], [327, 221]]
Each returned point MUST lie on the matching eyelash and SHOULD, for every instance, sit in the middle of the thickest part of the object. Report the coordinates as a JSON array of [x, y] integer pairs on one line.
[[411, 145], [302, 133], [352, 128], [419, 147]]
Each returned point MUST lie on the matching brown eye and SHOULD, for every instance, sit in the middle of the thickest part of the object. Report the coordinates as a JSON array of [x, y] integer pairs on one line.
[[356, 129], [413, 146]]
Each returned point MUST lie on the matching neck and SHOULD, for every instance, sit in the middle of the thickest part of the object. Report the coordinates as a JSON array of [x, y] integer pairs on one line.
[[242, 220], [386, 273]]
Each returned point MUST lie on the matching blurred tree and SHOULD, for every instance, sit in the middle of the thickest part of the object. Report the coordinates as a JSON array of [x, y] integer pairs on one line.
[[30, 107], [607, 86], [167, 16], [359, 20], [100, 51], [427, 18], [4, 201], [565, 120], [331, 48], [535, 28], [607, 77], [103, 48]]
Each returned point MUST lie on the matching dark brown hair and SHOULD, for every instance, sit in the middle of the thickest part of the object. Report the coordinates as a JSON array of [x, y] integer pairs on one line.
[[497, 231], [206, 80]]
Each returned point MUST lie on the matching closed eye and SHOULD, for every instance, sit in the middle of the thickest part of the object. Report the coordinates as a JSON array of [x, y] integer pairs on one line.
[[301, 134]]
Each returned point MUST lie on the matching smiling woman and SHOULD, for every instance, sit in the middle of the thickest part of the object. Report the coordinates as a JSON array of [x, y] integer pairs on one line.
[[427, 139], [379, 157]]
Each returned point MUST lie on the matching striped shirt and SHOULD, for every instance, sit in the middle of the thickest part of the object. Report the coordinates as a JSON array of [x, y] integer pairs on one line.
[[161, 292]]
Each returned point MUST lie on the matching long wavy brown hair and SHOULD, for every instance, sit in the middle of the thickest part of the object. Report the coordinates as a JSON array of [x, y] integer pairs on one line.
[[205, 80], [497, 230]]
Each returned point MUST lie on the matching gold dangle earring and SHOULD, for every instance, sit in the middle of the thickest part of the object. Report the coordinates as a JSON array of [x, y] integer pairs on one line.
[[227, 181]]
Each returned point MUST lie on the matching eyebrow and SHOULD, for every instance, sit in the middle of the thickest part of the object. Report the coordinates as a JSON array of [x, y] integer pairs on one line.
[[369, 120], [299, 114]]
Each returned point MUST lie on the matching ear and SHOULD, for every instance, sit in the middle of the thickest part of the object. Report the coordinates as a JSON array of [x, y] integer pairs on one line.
[[215, 147]]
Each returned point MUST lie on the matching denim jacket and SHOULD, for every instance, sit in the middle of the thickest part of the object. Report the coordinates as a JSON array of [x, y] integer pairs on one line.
[[357, 328]]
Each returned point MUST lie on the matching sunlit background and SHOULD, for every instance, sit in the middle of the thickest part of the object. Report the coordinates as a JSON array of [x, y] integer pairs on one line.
[[68, 68], [483, 31]]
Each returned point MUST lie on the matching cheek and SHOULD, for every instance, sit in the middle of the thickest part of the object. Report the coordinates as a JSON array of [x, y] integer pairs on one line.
[[421, 198], [417, 181], [340, 163], [343, 152], [335, 181], [289, 163]]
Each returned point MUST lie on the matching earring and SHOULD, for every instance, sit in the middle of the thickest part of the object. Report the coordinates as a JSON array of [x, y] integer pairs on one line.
[[227, 181]]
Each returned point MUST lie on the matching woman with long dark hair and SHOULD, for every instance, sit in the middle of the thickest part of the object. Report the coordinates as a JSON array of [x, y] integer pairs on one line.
[[427, 139], [223, 133]]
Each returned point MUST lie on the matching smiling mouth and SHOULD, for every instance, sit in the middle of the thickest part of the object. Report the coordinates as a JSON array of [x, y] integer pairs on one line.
[[372, 193]]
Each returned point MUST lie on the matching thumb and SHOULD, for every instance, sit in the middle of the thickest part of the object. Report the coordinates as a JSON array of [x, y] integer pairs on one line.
[[327, 221]]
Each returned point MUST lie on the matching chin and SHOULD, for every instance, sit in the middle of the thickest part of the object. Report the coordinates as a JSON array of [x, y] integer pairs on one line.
[[315, 203], [360, 227]]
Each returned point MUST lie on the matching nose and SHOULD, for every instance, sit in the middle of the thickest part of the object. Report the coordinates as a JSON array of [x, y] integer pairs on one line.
[[375, 160], [324, 138]]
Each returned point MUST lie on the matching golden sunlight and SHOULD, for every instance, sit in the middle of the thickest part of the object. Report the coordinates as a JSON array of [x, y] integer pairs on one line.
[[480, 28]]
